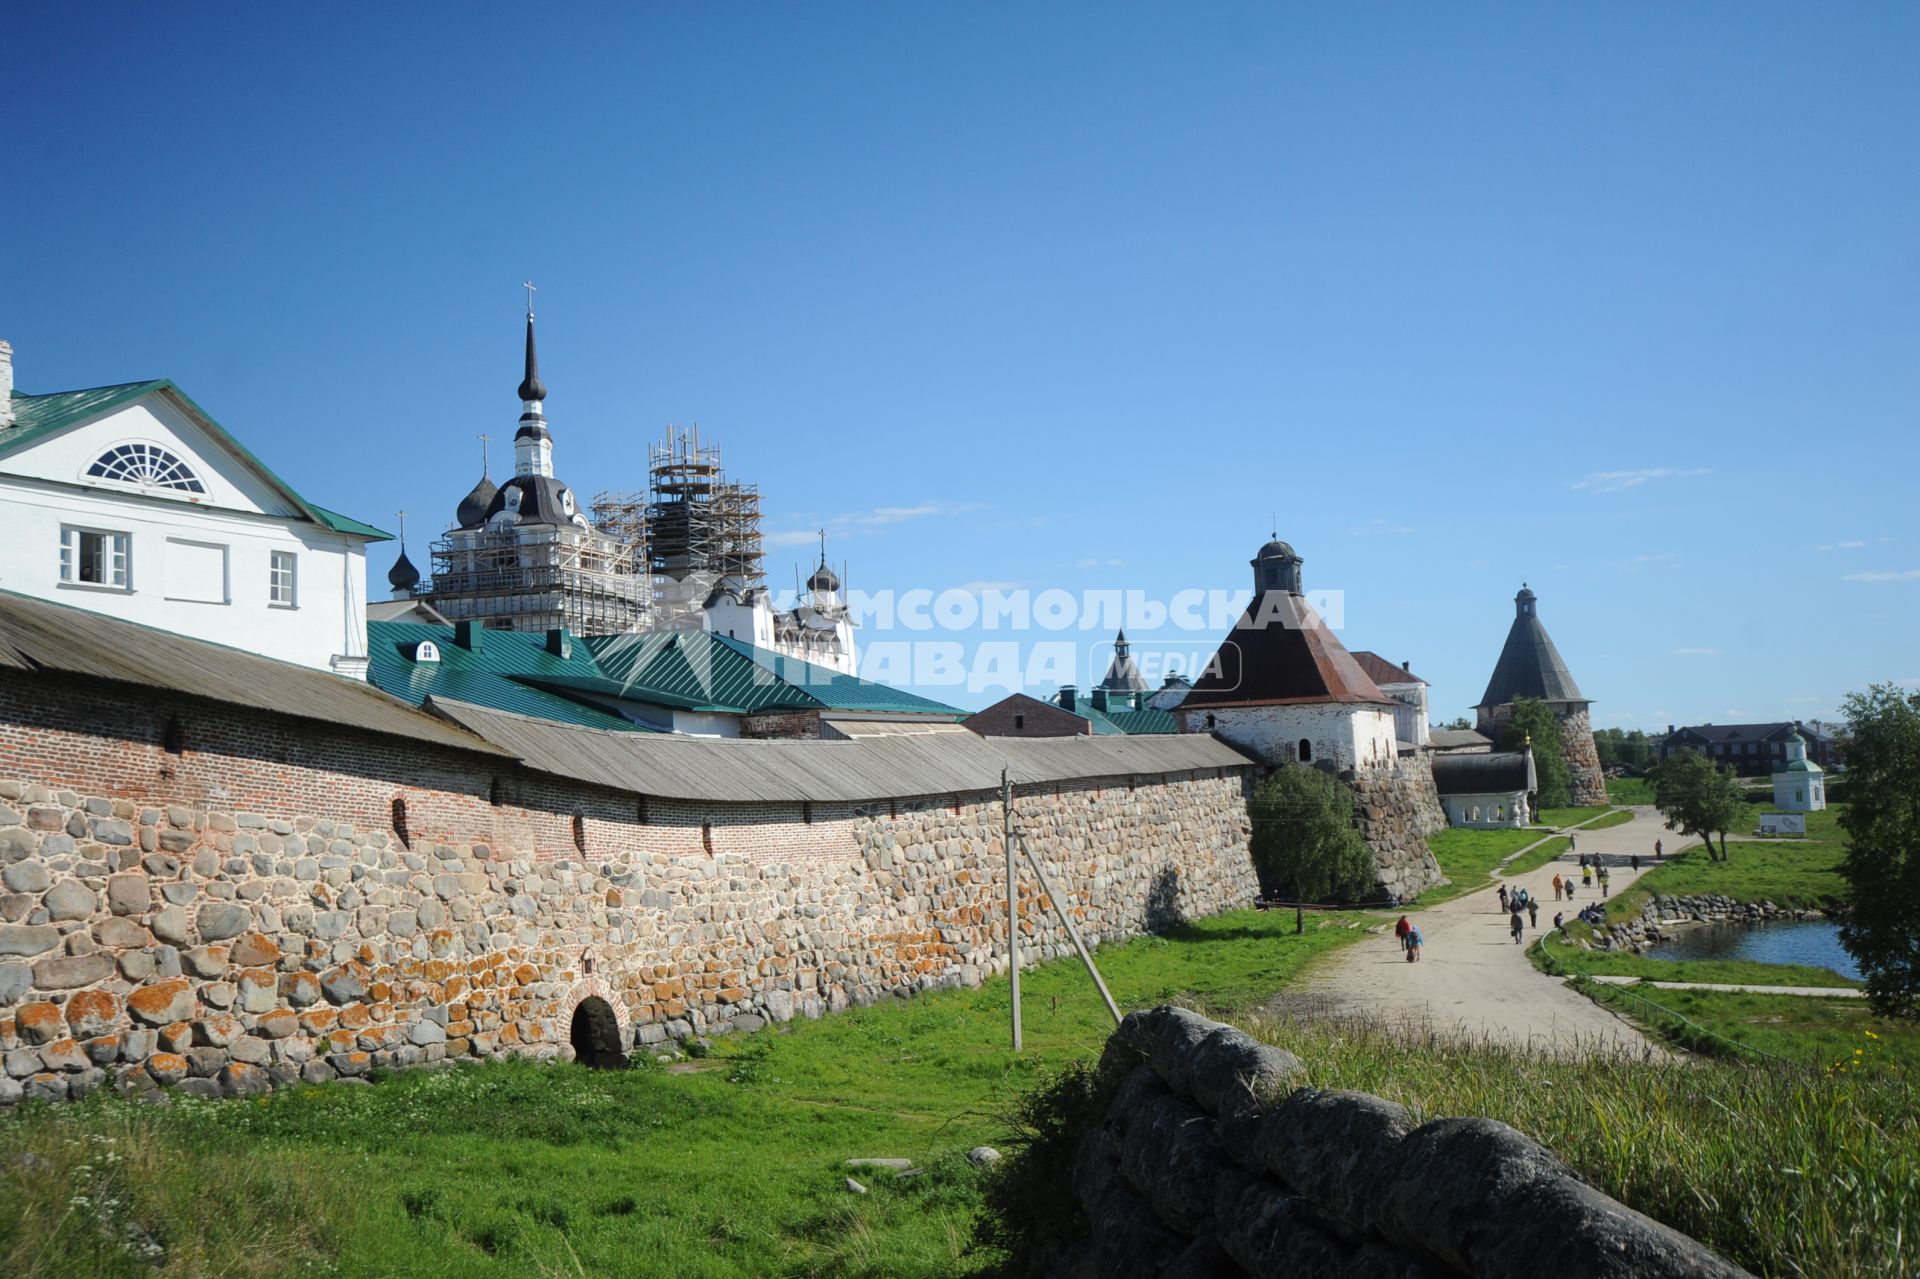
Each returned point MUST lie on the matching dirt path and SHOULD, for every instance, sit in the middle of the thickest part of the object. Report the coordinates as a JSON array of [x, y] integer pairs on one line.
[[1474, 981], [1811, 992]]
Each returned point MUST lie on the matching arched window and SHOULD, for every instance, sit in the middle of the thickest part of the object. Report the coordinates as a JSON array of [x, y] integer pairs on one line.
[[400, 829], [147, 465], [580, 831], [1306, 751], [1209, 720]]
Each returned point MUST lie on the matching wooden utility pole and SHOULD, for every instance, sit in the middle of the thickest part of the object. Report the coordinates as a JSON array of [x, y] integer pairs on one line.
[[1066, 921], [1013, 898]]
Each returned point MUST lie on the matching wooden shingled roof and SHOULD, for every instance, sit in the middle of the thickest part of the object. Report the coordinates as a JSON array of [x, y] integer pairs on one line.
[[1281, 653]]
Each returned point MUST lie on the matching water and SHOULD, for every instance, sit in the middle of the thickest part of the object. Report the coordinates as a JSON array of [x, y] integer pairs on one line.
[[1798, 942]]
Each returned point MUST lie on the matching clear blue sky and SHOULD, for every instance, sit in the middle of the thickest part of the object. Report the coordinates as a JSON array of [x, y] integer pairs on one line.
[[1078, 294]]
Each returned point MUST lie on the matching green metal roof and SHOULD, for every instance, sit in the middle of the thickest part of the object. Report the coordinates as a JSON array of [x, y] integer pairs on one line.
[[496, 676], [692, 669], [35, 417], [1147, 722], [838, 692]]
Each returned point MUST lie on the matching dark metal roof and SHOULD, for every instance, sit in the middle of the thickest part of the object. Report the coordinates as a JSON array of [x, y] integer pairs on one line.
[[1382, 671], [1529, 665], [1748, 732], [531, 387], [1495, 773], [735, 770], [472, 511], [1458, 739], [39, 636], [1123, 676], [1280, 653], [541, 500], [403, 575]]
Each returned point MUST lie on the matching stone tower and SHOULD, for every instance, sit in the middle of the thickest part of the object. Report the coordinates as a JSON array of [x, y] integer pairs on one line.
[[1530, 666]]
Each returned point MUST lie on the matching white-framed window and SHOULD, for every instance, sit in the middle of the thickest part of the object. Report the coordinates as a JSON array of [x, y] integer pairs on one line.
[[95, 557], [283, 579], [145, 465]]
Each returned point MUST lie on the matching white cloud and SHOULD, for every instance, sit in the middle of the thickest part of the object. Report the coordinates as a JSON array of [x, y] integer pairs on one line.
[[1896, 575], [1850, 544], [853, 523], [1696, 652], [1379, 526], [1621, 481]]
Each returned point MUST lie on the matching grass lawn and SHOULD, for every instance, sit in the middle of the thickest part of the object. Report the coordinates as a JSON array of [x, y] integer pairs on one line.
[[1786, 872], [1468, 857], [1570, 816], [1618, 817], [1629, 790], [1572, 960], [733, 1167], [1784, 1171], [1814, 1031]]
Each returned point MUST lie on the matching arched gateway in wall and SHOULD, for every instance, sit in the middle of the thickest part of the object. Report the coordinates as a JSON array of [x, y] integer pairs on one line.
[[597, 1029]]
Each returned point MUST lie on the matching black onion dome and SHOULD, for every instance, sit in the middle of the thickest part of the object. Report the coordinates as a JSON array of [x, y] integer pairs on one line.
[[403, 576], [472, 511], [543, 500], [1276, 548], [823, 579], [531, 387]]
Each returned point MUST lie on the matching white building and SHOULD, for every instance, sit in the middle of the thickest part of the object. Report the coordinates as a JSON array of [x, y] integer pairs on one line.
[[1488, 791], [1282, 687], [818, 629], [1801, 785], [1408, 690], [130, 500]]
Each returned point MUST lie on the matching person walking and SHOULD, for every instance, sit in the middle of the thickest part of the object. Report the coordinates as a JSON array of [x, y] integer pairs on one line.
[[1518, 924], [1573, 842], [1636, 863], [1402, 931], [1556, 888], [1604, 877], [1586, 877], [1560, 921], [1657, 850], [1413, 944], [1533, 914], [1503, 898]]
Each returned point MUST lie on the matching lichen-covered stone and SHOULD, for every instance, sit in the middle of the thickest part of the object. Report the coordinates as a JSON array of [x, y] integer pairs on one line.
[[161, 1003]]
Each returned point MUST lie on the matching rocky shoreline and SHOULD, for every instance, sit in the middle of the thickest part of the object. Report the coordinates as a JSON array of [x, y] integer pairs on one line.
[[1662, 915]]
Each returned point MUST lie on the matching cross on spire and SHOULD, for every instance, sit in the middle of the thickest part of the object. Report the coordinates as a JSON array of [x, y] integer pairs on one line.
[[486, 454], [403, 529], [823, 546], [531, 290]]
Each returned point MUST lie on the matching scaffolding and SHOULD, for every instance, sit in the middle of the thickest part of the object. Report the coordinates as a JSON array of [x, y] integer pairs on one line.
[[699, 524], [538, 577]]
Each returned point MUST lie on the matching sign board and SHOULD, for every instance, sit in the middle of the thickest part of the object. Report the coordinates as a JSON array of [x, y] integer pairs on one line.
[[1783, 824]]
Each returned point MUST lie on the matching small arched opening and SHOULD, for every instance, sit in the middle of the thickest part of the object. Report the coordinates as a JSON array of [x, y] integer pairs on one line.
[[595, 1035], [1306, 751]]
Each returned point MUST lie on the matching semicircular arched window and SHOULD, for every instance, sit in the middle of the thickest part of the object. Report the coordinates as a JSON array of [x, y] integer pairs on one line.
[[147, 465]]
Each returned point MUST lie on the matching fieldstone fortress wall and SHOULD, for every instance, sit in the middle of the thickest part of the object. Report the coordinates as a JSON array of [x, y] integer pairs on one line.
[[224, 900], [1207, 1161], [1588, 781], [1396, 808]]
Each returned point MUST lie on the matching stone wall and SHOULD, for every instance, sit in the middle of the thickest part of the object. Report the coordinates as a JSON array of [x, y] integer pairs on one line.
[[282, 900], [1396, 808], [1207, 1161], [1589, 783]]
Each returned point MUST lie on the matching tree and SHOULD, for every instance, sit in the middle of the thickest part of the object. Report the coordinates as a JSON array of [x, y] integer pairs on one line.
[[1533, 723], [1460, 724], [1304, 845], [1697, 797], [1882, 821]]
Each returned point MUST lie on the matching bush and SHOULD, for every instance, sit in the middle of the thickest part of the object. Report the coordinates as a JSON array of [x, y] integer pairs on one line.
[[1304, 843], [1031, 1210]]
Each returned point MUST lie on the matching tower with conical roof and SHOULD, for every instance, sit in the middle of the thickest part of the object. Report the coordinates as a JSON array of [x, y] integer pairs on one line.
[[1531, 666], [523, 555], [1285, 690]]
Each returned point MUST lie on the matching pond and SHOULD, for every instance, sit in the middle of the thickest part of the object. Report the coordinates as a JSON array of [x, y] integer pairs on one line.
[[1796, 942]]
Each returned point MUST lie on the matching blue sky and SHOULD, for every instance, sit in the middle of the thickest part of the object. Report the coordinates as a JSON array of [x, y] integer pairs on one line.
[[1619, 300]]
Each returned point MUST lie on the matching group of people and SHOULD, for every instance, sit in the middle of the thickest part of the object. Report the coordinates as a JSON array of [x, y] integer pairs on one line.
[[1523, 909]]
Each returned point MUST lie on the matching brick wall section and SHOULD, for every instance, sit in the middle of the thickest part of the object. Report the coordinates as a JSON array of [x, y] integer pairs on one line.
[[1036, 719], [244, 913]]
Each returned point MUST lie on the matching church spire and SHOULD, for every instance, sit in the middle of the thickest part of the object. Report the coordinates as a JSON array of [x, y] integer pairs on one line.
[[532, 446]]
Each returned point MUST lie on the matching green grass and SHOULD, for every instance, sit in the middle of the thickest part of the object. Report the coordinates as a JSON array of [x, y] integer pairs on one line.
[[1629, 790], [1787, 1172], [1618, 817], [1573, 960], [1811, 1030], [1801, 873], [1570, 816], [1467, 858], [517, 1169], [1535, 859]]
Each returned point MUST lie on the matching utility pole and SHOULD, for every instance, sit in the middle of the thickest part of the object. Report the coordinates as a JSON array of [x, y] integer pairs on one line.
[[1066, 922], [1013, 895]]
